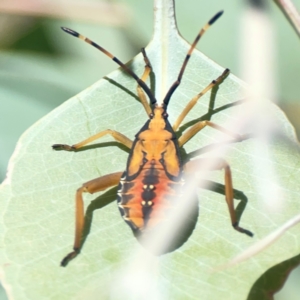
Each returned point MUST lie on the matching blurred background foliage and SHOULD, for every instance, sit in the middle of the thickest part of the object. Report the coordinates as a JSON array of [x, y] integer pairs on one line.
[[41, 67]]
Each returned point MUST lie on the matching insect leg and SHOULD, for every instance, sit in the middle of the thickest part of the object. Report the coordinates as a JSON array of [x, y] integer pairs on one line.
[[93, 186], [140, 91], [199, 126], [195, 99], [220, 164], [119, 137]]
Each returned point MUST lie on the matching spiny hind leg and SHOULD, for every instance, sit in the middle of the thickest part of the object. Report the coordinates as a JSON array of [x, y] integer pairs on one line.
[[119, 137], [140, 91], [93, 186], [219, 164], [195, 99]]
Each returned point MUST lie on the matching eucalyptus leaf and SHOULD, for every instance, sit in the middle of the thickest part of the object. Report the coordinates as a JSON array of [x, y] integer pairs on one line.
[[37, 198]]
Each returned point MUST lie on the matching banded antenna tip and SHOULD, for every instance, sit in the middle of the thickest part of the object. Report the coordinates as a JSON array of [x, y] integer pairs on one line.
[[215, 17], [70, 31]]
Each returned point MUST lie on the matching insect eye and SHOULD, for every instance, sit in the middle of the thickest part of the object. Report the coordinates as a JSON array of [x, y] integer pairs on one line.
[[151, 115], [165, 115]]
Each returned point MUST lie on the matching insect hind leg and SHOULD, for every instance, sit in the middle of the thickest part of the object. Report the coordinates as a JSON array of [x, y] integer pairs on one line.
[[219, 164], [93, 186]]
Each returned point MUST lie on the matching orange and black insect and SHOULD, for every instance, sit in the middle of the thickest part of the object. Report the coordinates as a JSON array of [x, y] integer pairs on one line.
[[154, 173]]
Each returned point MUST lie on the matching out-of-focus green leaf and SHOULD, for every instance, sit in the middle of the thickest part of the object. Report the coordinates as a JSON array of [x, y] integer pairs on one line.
[[36, 40]]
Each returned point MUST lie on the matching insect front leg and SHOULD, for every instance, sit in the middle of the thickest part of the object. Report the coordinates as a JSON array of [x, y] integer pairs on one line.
[[119, 137], [195, 99], [140, 91], [220, 164], [93, 186]]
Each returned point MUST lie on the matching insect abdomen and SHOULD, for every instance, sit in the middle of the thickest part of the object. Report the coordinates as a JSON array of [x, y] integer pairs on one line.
[[145, 201]]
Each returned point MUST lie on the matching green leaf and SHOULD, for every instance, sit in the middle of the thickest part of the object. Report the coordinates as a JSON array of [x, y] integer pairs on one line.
[[37, 198]]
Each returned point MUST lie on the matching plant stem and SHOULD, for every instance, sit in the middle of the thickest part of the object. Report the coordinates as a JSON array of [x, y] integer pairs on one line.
[[291, 13]]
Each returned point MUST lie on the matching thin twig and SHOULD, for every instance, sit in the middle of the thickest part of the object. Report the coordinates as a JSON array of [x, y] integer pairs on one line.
[[291, 13]]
